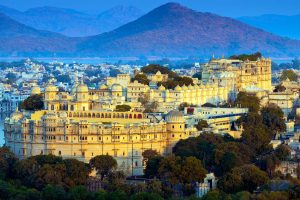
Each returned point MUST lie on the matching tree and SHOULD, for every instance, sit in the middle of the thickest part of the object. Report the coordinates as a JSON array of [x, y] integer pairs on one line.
[[104, 164], [282, 152], [152, 166], [256, 137], [201, 125], [244, 57], [176, 170], [33, 102], [272, 117], [54, 192], [198, 75], [290, 74], [246, 100], [7, 162], [80, 193], [246, 177], [149, 154], [142, 78], [123, 108], [146, 196], [77, 172], [153, 69]]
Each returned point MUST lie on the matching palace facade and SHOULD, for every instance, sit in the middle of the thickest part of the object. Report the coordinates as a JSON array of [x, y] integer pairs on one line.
[[74, 126], [84, 123]]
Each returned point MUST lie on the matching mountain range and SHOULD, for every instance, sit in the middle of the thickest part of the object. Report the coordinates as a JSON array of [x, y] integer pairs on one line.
[[282, 25], [167, 31], [71, 22]]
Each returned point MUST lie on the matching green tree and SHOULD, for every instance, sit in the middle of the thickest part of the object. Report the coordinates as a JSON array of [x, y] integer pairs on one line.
[[198, 75], [146, 196], [7, 163], [33, 102], [152, 166], [54, 192], [141, 78], [104, 164], [244, 57], [290, 74], [77, 172], [80, 193], [246, 177], [272, 117], [181, 170], [246, 100], [201, 125], [153, 69]]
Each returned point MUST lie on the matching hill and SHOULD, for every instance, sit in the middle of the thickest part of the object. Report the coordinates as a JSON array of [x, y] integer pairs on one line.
[[71, 22], [19, 39], [174, 30], [286, 26]]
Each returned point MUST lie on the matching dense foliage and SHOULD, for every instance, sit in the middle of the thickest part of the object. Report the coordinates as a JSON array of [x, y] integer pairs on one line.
[[243, 57], [290, 74], [153, 69], [33, 102]]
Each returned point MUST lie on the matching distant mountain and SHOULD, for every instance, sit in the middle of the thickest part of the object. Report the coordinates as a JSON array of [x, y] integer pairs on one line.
[[72, 22], [282, 25], [19, 39], [174, 30], [167, 31]]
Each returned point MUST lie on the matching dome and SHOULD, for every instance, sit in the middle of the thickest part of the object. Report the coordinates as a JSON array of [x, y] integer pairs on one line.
[[175, 116], [103, 87], [51, 88], [161, 88], [116, 88], [190, 87], [82, 88], [35, 90], [184, 87], [178, 88], [17, 115]]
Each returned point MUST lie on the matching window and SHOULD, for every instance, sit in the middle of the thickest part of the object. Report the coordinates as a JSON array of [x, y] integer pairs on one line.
[[59, 153]]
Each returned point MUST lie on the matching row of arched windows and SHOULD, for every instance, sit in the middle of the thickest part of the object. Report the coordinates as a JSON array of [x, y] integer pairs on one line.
[[106, 115]]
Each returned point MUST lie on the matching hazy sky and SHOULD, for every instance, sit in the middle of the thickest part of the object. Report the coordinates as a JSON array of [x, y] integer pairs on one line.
[[231, 8]]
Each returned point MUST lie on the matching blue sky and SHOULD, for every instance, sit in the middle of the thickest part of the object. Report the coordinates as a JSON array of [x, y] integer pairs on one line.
[[232, 8]]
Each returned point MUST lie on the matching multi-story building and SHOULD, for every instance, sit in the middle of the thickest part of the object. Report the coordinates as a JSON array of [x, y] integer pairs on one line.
[[74, 126], [239, 74]]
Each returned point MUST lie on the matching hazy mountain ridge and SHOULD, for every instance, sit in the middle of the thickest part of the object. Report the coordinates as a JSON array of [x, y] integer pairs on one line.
[[174, 30], [72, 22], [167, 31], [19, 39], [282, 25]]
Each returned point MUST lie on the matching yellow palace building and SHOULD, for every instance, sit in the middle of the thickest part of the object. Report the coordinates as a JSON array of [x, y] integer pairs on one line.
[[72, 126]]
